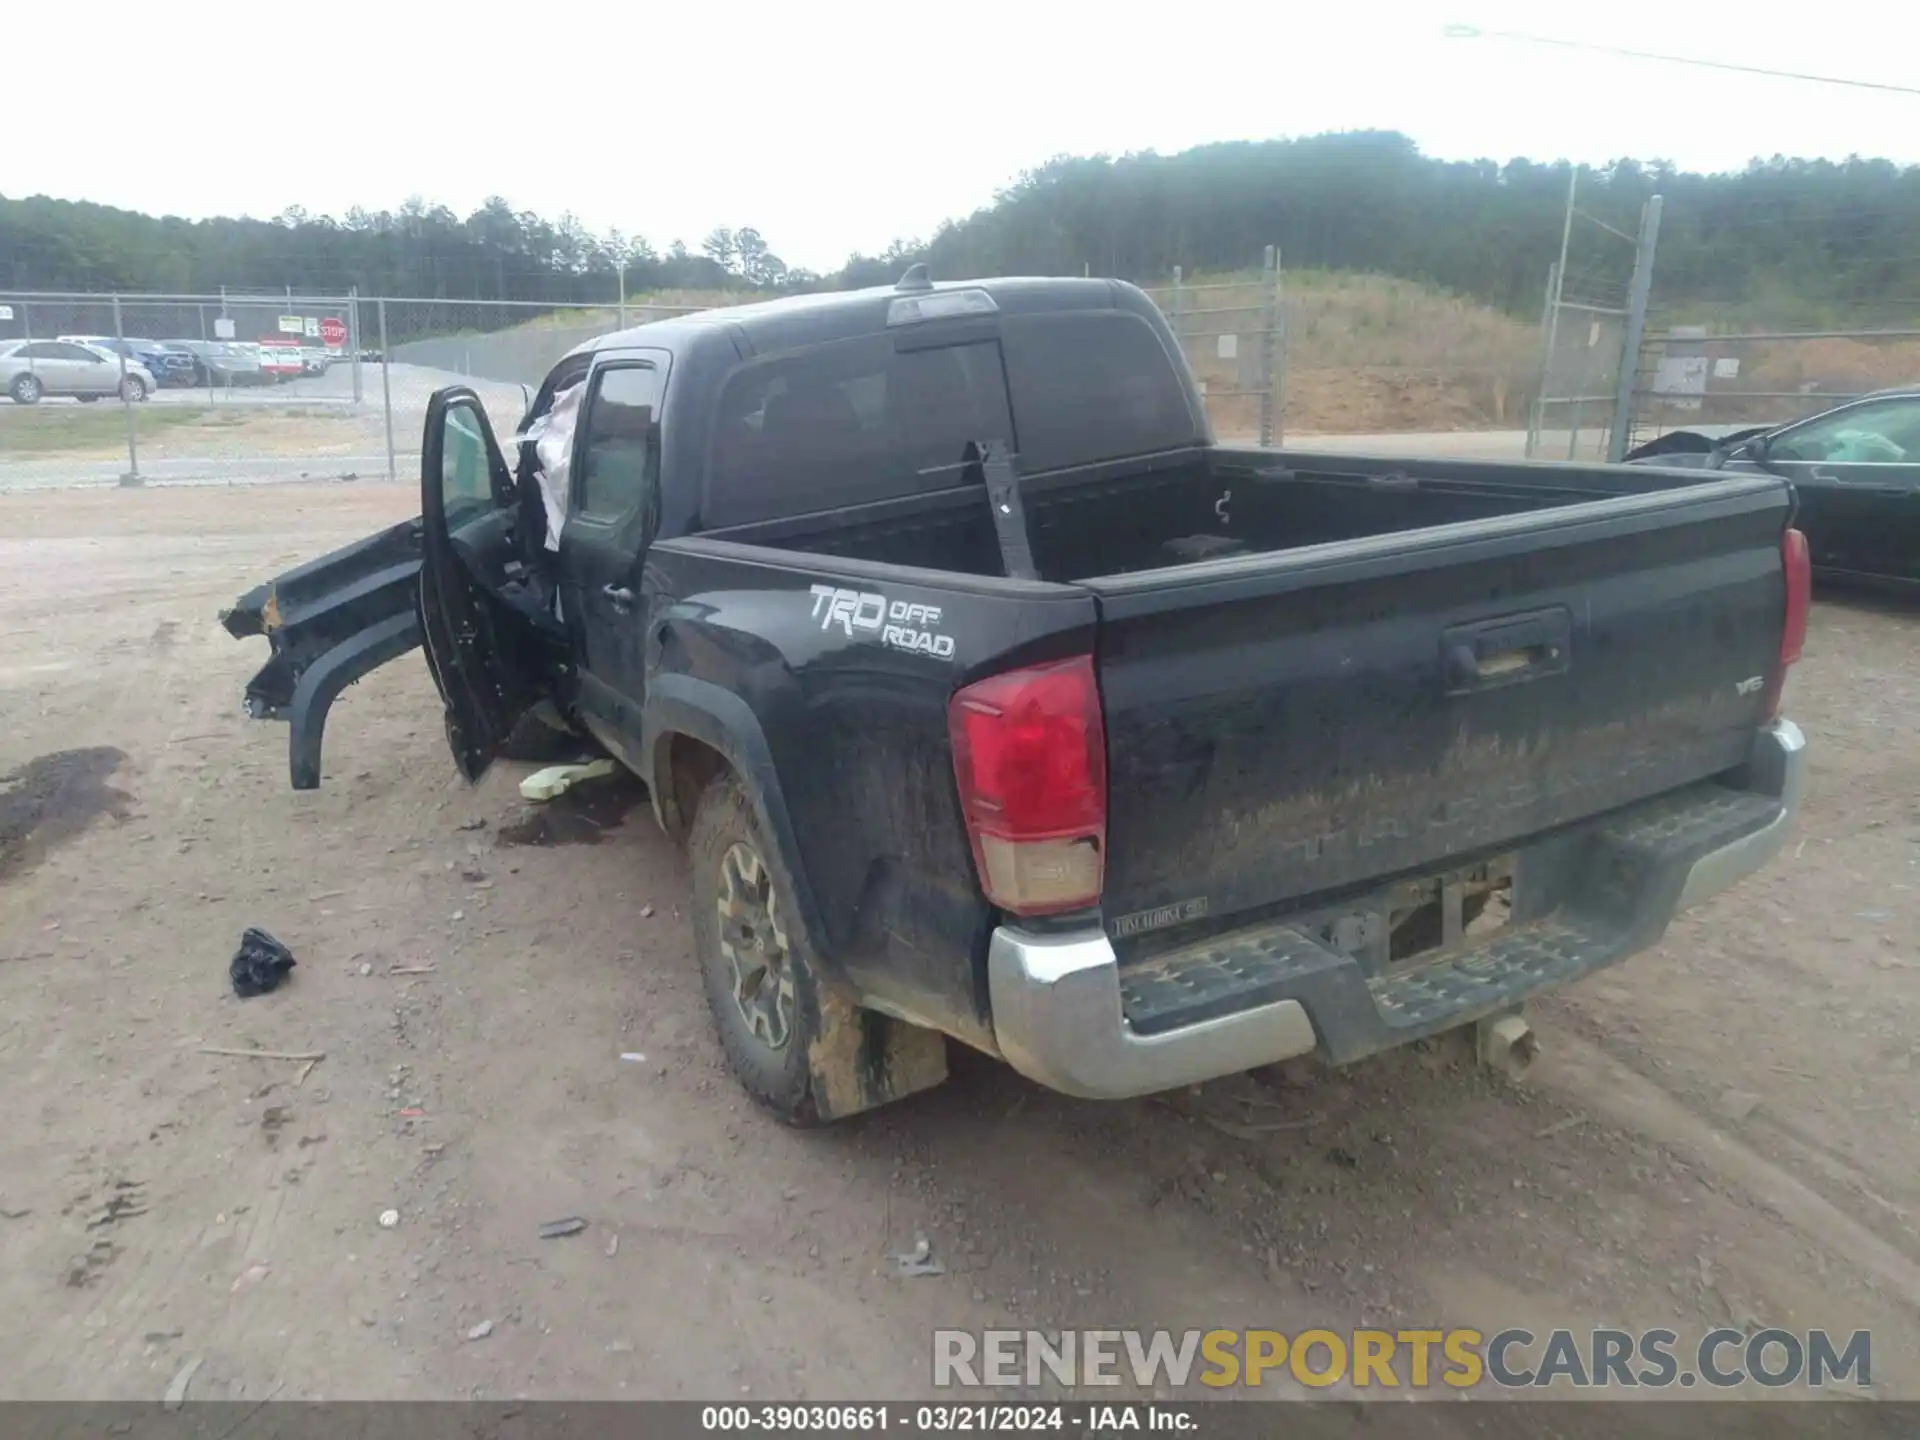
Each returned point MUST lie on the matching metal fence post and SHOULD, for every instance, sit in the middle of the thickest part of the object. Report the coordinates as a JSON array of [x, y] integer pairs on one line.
[[623, 294], [1269, 284], [1536, 412], [1620, 436], [1278, 341], [386, 385], [132, 477], [353, 341], [1179, 305]]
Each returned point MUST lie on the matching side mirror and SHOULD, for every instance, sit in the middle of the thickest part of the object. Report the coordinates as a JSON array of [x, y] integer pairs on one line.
[[1753, 448]]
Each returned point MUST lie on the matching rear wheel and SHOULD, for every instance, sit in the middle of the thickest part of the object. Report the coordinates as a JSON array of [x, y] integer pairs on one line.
[[25, 389], [798, 1045], [758, 977], [133, 389]]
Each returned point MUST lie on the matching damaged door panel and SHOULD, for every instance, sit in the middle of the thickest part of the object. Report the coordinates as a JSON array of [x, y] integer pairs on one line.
[[450, 581], [482, 651], [328, 623]]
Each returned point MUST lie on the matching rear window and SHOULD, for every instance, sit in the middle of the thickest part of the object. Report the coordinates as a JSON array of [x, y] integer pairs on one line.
[[849, 423], [1092, 385]]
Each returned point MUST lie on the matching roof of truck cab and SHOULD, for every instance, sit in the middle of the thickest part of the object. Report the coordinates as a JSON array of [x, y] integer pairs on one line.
[[769, 326]]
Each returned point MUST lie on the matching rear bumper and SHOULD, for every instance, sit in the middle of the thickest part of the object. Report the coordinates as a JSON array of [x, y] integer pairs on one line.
[[1067, 1014]]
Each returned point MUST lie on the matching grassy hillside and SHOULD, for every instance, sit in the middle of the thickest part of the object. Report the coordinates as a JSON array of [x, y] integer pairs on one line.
[[1375, 353], [1361, 353]]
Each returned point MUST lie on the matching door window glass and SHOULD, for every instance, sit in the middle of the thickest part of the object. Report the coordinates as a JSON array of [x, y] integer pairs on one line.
[[466, 476], [1093, 386], [1887, 433], [619, 446]]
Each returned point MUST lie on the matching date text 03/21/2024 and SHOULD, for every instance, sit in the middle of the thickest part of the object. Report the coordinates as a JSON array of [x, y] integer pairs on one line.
[[943, 1419]]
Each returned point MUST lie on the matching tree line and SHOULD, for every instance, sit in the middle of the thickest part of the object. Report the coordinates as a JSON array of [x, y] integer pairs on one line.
[[1827, 234], [420, 250], [1815, 236]]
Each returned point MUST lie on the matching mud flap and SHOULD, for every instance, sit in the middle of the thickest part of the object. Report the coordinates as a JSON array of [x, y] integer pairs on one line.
[[863, 1059]]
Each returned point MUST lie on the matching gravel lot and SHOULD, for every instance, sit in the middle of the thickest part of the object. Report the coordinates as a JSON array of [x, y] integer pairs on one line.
[[1723, 1131]]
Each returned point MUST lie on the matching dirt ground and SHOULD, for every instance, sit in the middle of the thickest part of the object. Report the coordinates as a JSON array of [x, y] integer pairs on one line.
[[1723, 1131]]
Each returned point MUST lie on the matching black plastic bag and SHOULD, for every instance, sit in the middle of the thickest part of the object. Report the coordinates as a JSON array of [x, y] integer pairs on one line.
[[261, 963]]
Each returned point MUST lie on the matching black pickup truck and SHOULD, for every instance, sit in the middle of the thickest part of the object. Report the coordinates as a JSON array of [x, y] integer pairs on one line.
[[996, 701]]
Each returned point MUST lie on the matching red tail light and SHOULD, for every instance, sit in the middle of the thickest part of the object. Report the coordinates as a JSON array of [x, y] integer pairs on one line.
[[1793, 637], [1030, 756]]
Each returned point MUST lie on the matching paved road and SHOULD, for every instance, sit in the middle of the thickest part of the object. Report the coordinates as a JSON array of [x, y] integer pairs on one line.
[[28, 474]]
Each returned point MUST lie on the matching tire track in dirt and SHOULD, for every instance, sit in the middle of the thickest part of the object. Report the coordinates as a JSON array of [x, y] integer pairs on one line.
[[1585, 1075]]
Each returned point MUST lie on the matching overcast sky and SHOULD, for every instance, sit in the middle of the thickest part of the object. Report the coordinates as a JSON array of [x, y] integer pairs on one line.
[[831, 126]]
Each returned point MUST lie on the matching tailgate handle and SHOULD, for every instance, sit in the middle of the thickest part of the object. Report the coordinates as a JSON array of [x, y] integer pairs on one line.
[[1507, 651]]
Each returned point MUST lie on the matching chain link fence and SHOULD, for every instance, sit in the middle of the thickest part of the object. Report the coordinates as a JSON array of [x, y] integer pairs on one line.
[[1335, 359], [1590, 329], [1723, 352], [270, 386], [290, 387], [196, 387], [1232, 332], [234, 387]]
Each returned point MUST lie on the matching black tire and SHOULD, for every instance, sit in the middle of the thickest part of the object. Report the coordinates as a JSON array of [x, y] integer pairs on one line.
[[133, 389], [768, 1052], [25, 389]]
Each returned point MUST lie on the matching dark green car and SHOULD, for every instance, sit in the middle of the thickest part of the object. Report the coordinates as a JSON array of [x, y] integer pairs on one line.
[[1856, 469]]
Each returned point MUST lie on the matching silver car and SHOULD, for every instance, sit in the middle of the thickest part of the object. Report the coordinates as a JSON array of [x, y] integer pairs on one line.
[[30, 369]]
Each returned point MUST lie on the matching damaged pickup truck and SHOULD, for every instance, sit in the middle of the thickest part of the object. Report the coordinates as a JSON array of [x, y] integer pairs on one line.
[[996, 701]]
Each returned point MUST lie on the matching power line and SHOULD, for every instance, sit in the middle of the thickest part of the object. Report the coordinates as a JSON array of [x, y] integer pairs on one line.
[[1473, 32]]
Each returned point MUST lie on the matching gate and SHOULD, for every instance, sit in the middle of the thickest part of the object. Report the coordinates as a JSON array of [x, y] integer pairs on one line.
[[1591, 328]]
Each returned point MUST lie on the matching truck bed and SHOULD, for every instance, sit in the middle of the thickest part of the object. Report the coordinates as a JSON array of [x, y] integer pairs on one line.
[[1189, 506], [1390, 667]]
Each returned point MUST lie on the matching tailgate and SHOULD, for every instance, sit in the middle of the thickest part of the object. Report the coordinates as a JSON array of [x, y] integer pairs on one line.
[[1282, 726]]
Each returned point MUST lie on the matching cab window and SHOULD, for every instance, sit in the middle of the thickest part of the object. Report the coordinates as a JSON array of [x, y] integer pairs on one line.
[[619, 445]]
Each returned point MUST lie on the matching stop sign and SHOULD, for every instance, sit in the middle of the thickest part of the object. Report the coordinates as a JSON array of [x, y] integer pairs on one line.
[[333, 332]]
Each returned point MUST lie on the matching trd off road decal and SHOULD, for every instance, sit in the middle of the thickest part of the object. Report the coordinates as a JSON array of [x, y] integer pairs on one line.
[[897, 624]]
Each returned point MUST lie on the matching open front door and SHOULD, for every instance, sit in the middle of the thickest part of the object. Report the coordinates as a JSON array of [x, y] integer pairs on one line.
[[482, 653]]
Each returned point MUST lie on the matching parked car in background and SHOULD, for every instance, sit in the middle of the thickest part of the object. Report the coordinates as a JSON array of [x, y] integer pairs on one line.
[[31, 369], [167, 364], [1855, 468], [280, 362], [221, 363]]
